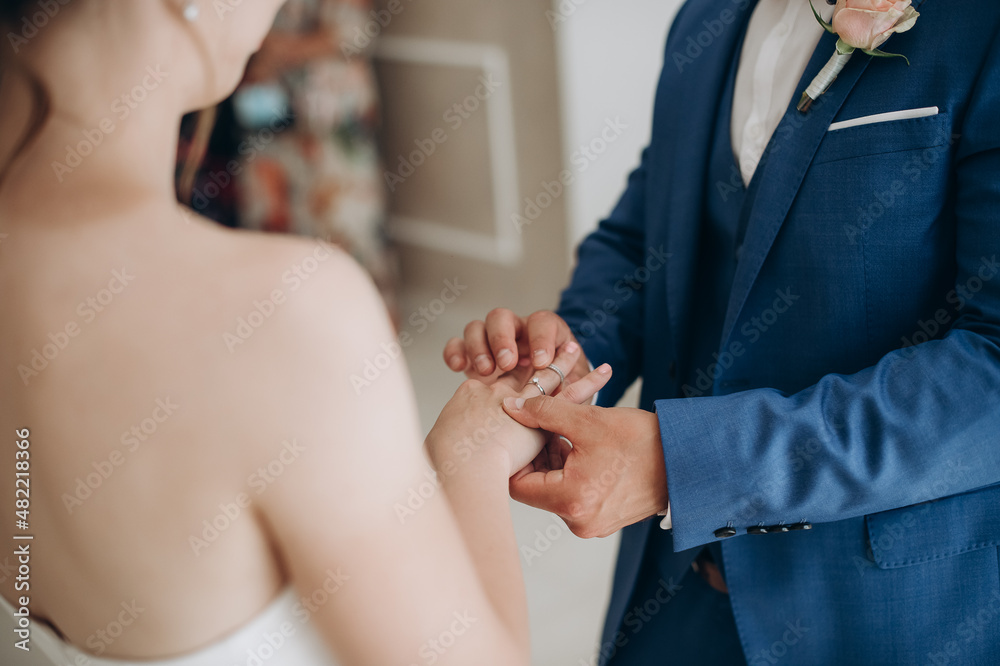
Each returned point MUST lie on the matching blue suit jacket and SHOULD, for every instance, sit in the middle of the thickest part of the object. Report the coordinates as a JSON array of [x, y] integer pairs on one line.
[[858, 377]]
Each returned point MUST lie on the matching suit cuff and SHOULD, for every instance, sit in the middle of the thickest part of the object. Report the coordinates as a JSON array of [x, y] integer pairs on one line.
[[705, 476]]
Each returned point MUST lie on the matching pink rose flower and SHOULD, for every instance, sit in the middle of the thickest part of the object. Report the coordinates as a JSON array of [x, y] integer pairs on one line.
[[866, 24]]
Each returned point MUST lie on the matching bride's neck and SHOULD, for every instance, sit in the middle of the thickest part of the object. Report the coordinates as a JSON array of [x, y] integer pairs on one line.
[[109, 143]]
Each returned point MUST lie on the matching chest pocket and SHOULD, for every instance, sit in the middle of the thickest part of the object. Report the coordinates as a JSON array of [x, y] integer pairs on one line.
[[879, 141]]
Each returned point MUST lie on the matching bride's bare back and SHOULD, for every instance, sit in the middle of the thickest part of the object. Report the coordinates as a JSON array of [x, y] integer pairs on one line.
[[196, 443], [154, 362], [194, 439]]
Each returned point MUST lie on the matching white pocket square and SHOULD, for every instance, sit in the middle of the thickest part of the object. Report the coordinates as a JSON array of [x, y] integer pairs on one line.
[[885, 117]]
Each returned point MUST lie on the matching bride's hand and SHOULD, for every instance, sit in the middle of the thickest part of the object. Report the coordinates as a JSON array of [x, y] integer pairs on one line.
[[474, 424]]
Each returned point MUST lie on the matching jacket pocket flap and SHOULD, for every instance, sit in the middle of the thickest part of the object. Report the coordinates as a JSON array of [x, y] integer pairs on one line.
[[933, 530], [896, 136]]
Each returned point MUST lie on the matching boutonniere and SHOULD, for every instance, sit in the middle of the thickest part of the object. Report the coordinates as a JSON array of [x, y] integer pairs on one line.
[[860, 25]]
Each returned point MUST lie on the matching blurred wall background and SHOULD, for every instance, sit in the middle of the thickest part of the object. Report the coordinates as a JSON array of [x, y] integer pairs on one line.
[[609, 56], [485, 220]]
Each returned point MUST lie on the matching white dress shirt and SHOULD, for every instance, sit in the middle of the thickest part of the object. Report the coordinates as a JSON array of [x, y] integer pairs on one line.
[[779, 43], [780, 40]]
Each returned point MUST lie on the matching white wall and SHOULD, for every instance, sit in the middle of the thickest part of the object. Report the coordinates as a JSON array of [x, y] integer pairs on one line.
[[610, 53]]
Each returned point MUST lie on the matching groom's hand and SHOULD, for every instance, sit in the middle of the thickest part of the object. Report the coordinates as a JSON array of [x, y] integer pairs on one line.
[[613, 475], [504, 341]]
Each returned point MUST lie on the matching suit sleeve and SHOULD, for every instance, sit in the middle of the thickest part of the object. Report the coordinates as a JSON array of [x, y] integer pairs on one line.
[[921, 424], [601, 305], [604, 304]]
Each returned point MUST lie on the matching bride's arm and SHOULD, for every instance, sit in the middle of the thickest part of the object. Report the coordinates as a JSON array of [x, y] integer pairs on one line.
[[476, 450], [358, 511]]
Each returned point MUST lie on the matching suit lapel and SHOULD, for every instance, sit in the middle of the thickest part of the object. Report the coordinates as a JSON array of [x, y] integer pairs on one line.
[[787, 159]]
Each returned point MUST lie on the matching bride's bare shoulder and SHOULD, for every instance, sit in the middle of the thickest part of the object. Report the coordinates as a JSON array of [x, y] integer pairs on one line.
[[307, 318], [304, 290]]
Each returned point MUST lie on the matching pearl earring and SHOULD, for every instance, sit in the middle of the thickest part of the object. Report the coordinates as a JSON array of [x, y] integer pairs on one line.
[[191, 12]]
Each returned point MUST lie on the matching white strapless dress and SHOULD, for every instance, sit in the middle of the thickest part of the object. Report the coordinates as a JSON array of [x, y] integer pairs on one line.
[[277, 636]]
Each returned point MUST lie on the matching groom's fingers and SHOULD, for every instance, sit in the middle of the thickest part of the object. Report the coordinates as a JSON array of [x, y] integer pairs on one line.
[[565, 360], [580, 391], [560, 417], [477, 348], [454, 354], [522, 378], [548, 491], [552, 456], [503, 328], [546, 330], [557, 450]]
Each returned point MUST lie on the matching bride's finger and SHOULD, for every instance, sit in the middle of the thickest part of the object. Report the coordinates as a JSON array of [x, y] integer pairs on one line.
[[518, 377], [550, 379], [582, 390]]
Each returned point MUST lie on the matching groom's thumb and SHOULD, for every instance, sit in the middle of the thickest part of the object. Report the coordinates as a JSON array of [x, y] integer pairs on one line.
[[561, 417]]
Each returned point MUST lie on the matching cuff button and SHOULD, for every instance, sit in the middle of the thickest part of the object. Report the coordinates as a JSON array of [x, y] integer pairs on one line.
[[725, 532]]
